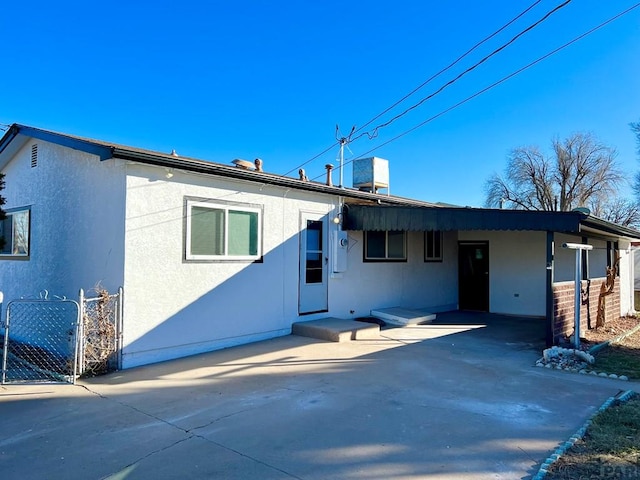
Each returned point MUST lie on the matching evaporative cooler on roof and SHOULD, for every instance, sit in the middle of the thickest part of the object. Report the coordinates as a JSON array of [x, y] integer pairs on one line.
[[370, 173]]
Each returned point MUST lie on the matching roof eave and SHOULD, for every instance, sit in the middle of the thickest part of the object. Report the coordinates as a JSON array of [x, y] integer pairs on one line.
[[17, 135], [210, 168], [597, 224]]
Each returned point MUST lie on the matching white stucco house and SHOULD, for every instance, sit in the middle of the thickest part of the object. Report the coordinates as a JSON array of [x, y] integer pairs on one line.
[[213, 255]]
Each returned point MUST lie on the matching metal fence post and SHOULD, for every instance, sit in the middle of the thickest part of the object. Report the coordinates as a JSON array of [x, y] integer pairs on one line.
[[5, 342], [81, 333], [119, 326]]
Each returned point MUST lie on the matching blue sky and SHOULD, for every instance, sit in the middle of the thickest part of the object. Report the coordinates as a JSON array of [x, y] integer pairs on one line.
[[245, 79]]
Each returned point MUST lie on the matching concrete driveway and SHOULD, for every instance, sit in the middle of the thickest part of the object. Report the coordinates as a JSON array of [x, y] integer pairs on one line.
[[458, 399]]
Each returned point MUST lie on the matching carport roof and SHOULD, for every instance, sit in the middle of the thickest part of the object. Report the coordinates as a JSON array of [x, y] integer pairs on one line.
[[418, 218]]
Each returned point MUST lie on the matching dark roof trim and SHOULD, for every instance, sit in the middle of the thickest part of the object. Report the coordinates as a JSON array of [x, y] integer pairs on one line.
[[612, 228], [210, 168], [106, 151], [102, 151], [366, 217], [8, 137]]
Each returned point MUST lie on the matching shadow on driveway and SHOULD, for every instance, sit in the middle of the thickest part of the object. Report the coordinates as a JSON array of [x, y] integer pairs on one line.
[[458, 398]]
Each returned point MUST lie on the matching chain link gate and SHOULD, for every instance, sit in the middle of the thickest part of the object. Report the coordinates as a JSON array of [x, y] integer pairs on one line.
[[40, 341], [100, 333]]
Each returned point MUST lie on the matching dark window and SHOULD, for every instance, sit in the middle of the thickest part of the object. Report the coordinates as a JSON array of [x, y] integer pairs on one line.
[[15, 231], [313, 266], [385, 246]]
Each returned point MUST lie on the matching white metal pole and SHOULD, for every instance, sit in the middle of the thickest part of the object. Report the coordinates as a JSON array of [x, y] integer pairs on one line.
[[577, 295], [342, 142], [578, 247]]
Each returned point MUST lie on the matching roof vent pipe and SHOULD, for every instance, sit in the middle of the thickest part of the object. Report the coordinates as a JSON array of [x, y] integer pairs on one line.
[[329, 168]]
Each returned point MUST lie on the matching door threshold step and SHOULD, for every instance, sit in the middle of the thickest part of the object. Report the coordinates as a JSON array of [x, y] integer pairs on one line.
[[403, 316], [336, 329]]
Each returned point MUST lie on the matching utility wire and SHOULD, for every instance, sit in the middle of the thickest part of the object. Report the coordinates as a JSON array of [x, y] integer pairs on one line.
[[371, 136], [495, 84], [452, 64], [423, 84], [433, 77], [373, 133], [576, 39], [311, 159]]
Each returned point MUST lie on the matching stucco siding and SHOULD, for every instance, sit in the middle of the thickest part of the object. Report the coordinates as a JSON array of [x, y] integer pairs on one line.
[[412, 284], [77, 222], [565, 259], [517, 271], [174, 307]]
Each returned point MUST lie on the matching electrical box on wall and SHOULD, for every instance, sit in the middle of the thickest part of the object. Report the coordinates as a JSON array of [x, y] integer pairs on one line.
[[340, 248]]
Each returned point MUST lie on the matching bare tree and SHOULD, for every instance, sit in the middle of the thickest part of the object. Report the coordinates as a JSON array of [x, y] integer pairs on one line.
[[621, 211], [582, 172], [635, 128]]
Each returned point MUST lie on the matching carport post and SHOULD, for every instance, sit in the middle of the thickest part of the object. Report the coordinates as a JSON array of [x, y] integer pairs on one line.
[[579, 248], [550, 303]]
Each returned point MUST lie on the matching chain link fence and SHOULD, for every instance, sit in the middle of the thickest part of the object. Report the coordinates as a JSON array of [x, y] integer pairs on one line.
[[58, 340], [40, 341]]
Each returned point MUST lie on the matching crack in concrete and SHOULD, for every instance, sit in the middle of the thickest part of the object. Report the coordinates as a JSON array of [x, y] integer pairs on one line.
[[224, 417], [188, 432], [166, 447]]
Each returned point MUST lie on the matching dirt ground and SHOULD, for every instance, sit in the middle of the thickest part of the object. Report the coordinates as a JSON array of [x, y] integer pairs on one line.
[[613, 329]]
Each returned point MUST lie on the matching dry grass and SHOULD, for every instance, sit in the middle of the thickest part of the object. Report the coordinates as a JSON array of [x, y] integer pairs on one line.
[[623, 357], [611, 446]]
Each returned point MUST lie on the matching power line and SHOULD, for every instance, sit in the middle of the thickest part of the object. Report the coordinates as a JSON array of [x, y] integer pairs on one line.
[[502, 80], [495, 84], [433, 77], [374, 132], [452, 64], [311, 159], [423, 84]]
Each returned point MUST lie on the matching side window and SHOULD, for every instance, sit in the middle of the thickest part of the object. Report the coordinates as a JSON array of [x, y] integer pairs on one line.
[[223, 232], [433, 246], [15, 231], [386, 246]]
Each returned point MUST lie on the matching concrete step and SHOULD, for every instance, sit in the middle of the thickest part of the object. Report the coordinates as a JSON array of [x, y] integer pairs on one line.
[[336, 329], [403, 316]]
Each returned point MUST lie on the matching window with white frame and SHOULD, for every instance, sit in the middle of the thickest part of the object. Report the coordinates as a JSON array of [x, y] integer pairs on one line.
[[15, 233], [222, 232], [385, 246], [433, 246]]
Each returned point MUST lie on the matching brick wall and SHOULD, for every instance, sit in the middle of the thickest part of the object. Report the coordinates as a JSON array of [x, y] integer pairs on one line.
[[563, 306]]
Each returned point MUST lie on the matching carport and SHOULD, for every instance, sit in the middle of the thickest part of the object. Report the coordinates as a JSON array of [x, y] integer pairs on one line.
[[497, 248]]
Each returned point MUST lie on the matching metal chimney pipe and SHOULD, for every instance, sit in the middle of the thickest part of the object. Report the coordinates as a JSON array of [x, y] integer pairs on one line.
[[329, 168]]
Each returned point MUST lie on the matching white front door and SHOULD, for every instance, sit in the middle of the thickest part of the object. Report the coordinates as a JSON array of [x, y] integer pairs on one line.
[[314, 262]]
